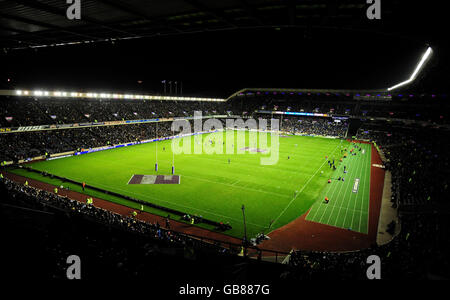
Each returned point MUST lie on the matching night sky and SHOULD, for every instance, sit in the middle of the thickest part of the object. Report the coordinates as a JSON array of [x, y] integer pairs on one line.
[[217, 64]]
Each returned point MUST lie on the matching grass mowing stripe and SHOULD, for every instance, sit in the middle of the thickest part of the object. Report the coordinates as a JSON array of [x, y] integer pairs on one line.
[[362, 197], [362, 180], [207, 180], [296, 195], [353, 197], [343, 200], [239, 163], [337, 199], [348, 203], [168, 202], [180, 205], [236, 186], [333, 187], [363, 205], [367, 183], [265, 191], [307, 182], [317, 205], [368, 167]]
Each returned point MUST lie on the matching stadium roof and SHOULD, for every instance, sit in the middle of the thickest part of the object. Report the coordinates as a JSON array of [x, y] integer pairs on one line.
[[217, 47], [43, 23]]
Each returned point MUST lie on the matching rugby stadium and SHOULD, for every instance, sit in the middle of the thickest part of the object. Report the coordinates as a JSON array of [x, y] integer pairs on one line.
[[201, 138]]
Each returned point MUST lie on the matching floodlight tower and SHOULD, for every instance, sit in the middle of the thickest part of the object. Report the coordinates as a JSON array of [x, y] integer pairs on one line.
[[164, 82]]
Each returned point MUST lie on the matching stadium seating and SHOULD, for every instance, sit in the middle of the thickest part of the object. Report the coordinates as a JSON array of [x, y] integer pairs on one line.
[[415, 155]]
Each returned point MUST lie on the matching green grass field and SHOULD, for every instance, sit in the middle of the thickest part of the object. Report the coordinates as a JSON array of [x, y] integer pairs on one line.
[[212, 187], [346, 209]]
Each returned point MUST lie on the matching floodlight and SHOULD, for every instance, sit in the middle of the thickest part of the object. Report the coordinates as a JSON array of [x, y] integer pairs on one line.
[[413, 76], [105, 95]]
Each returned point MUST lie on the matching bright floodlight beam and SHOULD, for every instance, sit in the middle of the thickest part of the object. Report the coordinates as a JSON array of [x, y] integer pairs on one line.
[[425, 57]]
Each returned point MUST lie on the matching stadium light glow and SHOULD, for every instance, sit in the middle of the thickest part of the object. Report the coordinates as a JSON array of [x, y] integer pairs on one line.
[[413, 76], [103, 95]]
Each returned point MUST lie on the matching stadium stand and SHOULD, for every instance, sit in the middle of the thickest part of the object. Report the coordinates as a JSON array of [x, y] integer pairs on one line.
[[52, 227], [316, 126], [33, 111], [415, 254], [419, 166], [30, 144], [417, 159]]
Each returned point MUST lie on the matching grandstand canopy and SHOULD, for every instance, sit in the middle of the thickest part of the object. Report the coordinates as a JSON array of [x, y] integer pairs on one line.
[[38, 23], [229, 38]]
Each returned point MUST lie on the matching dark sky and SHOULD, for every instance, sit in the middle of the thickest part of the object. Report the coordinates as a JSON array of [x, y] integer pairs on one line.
[[220, 63]]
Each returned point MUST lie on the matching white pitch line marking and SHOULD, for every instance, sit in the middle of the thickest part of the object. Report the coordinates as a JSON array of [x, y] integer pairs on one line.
[[306, 184]]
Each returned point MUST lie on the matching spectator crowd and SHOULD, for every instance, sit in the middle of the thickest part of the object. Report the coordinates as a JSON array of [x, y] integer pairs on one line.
[[315, 126], [418, 161], [15, 112], [99, 226], [416, 156], [24, 145]]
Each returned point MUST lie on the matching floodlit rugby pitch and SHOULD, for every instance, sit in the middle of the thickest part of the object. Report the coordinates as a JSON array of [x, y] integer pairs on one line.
[[215, 186]]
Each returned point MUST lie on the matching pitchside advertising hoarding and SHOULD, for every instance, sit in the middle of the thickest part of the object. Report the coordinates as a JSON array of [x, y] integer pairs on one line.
[[85, 151], [94, 124], [291, 113], [92, 150]]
